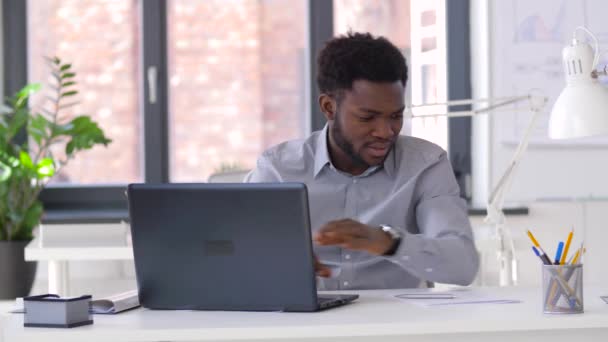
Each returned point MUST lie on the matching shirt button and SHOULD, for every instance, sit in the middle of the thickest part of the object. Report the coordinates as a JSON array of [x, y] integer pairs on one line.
[[405, 257], [429, 270], [345, 283], [347, 256], [355, 180]]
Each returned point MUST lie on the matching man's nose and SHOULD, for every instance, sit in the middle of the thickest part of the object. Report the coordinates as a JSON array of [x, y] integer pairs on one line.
[[384, 129]]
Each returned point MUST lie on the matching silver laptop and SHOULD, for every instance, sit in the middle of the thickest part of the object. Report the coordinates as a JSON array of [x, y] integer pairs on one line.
[[225, 247]]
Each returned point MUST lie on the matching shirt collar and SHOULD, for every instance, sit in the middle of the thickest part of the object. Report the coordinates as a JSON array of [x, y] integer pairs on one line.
[[321, 154], [322, 157]]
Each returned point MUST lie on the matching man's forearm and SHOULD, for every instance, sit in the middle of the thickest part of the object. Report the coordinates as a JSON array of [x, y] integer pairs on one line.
[[451, 258]]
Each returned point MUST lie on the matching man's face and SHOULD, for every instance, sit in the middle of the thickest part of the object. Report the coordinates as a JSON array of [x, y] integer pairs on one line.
[[367, 122]]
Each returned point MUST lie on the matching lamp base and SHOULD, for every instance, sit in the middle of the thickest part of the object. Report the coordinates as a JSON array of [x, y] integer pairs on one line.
[[498, 263]]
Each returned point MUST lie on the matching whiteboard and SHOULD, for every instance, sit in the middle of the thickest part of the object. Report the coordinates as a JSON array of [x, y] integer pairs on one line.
[[529, 38]]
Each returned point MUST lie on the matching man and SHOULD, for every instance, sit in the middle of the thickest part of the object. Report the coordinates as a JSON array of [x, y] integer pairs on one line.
[[385, 208]]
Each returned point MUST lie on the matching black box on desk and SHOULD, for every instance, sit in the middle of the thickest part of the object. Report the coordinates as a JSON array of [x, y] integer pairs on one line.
[[51, 311]]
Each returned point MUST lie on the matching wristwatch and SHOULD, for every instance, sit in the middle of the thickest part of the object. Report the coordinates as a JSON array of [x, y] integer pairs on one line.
[[395, 236]]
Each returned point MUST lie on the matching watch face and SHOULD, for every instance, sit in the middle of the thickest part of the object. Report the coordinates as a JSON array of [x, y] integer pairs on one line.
[[391, 231]]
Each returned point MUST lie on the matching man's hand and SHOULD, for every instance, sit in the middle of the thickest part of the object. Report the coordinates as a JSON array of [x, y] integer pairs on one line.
[[321, 270], [355, 235]]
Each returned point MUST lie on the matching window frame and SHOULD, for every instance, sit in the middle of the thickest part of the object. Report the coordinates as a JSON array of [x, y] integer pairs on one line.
[[459, 88], [107, 204]]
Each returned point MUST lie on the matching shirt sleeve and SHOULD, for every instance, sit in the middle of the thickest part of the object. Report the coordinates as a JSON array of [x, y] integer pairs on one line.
[[264, 172], [444, 250]]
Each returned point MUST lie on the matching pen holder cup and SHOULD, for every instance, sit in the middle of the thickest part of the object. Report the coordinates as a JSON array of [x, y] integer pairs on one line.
[[563, 289]]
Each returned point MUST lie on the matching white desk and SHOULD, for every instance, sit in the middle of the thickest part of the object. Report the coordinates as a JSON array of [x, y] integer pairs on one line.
[[376, 316], [5, 306], [63, 243]]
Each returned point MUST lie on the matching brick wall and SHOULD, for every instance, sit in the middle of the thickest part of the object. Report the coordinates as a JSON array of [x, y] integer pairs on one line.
[[236, 81], [100, 39]]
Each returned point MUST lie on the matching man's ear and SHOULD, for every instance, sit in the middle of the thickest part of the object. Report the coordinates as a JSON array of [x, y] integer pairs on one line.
[[328, 106]]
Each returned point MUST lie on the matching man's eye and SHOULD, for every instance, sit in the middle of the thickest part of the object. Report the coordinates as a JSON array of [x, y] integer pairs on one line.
[[366, 118], [397, 116]]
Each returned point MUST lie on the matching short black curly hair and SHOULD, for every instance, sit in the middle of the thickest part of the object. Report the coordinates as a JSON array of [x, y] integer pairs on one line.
[[358, 56]]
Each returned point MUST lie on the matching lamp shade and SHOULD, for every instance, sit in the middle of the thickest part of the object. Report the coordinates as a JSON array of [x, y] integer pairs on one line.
[[581, 110]]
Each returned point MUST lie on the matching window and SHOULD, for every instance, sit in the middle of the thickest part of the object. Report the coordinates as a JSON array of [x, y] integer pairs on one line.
[[187, 88], [100, 39], [236, 82]]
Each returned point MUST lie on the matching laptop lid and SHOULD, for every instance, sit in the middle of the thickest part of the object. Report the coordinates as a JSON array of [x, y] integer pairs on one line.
[[223, 246]]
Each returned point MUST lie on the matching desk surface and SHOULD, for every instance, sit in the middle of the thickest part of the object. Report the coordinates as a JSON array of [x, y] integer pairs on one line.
[[376, 315]]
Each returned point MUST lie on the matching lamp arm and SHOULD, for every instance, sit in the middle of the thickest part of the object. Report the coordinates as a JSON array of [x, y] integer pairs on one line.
[[490, 104], [536, 103], [495, 202]]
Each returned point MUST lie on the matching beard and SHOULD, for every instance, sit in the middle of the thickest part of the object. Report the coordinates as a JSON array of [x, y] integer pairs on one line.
[[337, 133], [345, 145]]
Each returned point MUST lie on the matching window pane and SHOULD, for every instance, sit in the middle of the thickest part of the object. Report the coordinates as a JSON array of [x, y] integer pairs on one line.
[[417, 28], [100, 39], [236, 74]]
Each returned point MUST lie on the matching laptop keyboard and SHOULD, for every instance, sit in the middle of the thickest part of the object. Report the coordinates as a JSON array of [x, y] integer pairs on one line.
[[326, 301]]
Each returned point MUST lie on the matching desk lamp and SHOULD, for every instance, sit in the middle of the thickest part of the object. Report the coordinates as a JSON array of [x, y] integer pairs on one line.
[[505, 249], [581, 110]]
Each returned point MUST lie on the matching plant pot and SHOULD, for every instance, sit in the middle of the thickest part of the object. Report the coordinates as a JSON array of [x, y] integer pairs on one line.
[[16, 275]]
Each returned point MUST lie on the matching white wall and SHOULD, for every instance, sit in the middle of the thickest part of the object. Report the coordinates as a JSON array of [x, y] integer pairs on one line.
[[546, 171]]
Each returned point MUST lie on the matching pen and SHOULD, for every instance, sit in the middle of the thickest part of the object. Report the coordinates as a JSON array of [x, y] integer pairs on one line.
[[575, 259], [542, 255], [568, 241], [578, 255], [558, 254]]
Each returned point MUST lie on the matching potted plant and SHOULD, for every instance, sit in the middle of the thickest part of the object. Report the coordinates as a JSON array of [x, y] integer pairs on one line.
[[28, 161]]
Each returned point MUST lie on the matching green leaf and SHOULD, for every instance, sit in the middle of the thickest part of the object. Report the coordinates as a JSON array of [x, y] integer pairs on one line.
[[30, 219], [16, 123], [84, 133], [9, 160], [70, 147], [69, 93], [25, 92], [29, 89], [5, 172], [65, 67], [67, 105], [68, 75], [67, 84], [26, 161], [37, 128], [45, 168]]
